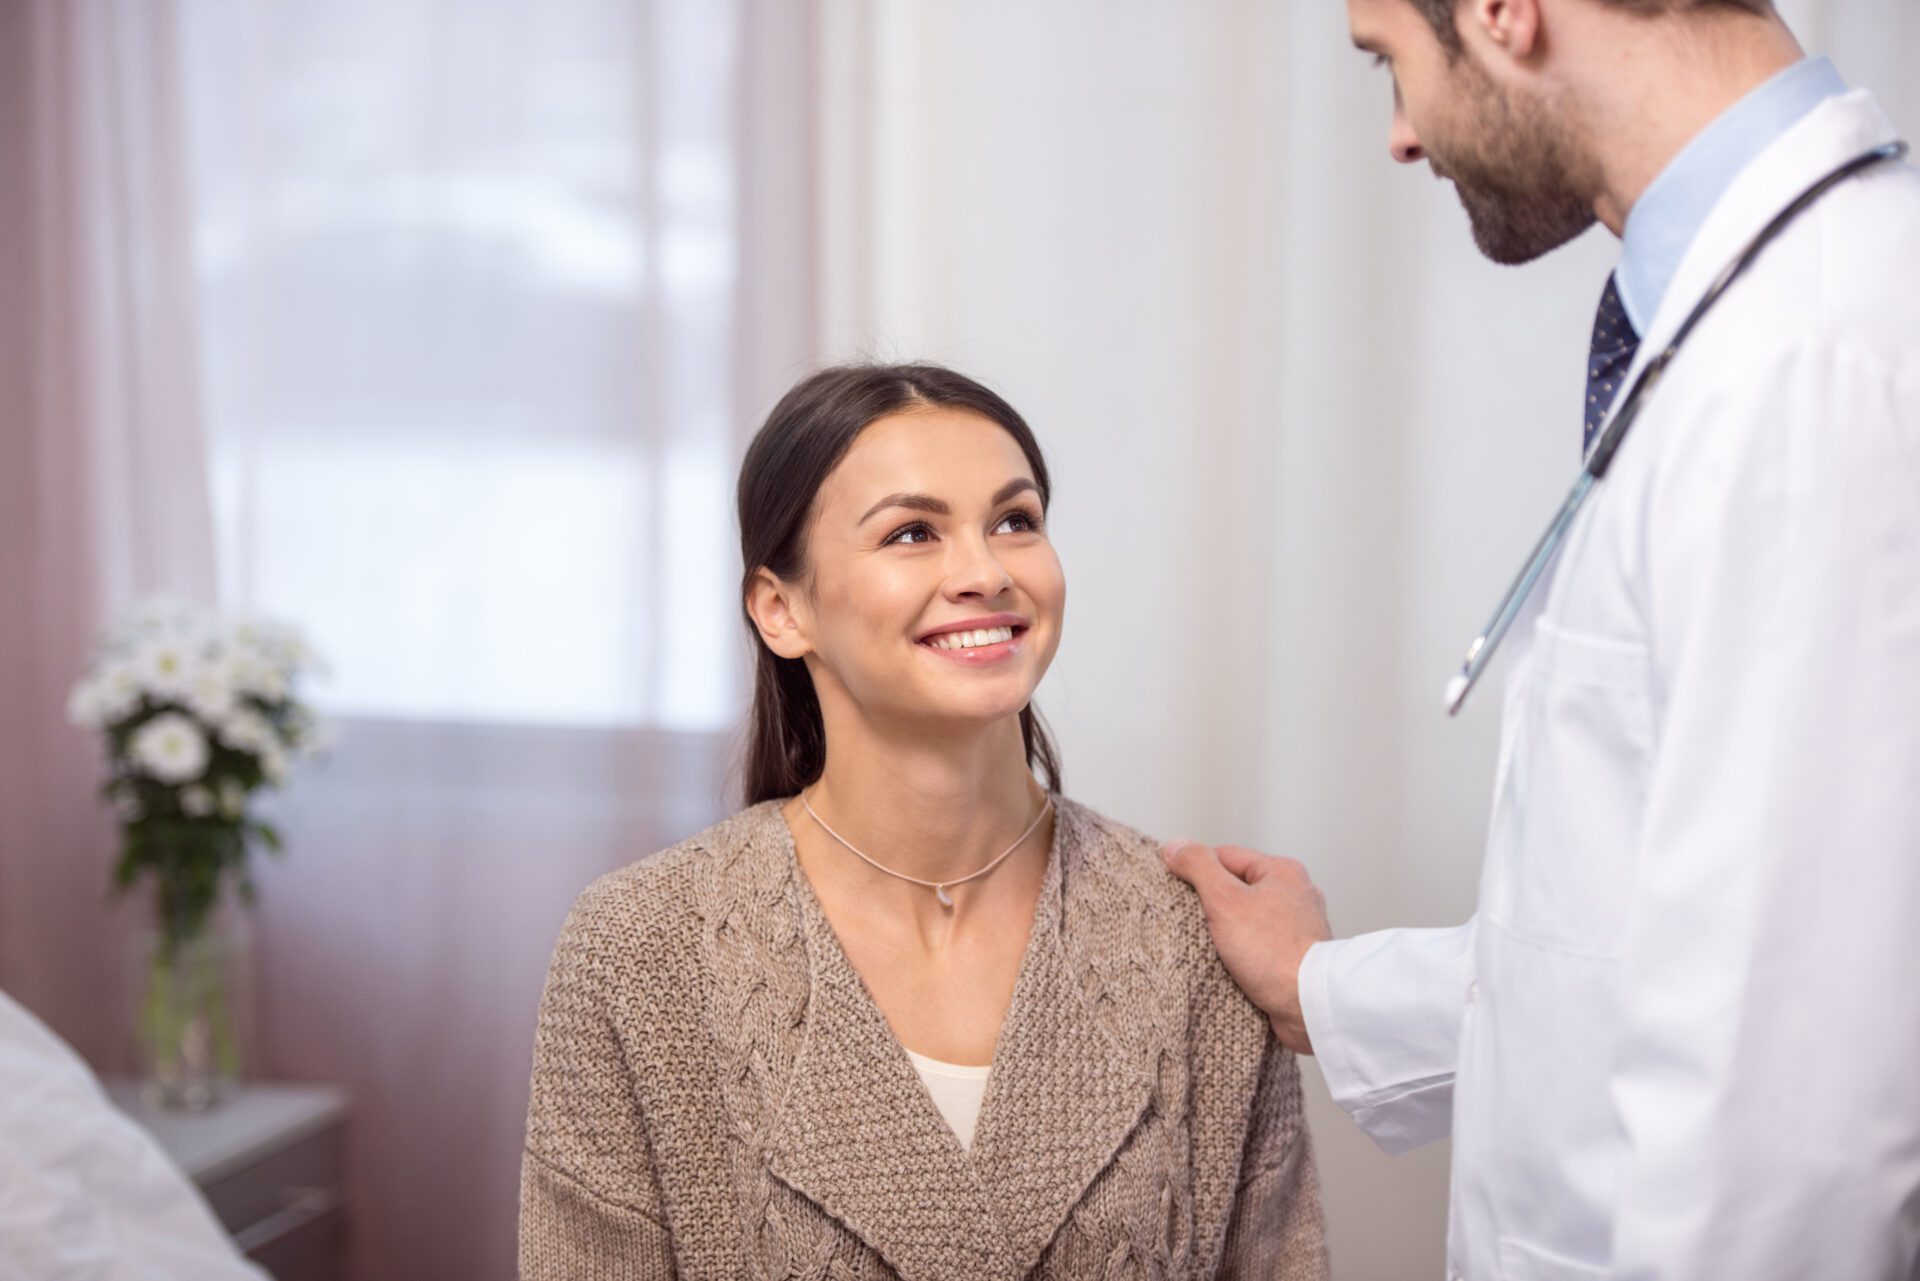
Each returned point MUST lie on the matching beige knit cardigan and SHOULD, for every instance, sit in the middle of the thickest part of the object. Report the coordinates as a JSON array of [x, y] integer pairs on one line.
[[715, 1093]]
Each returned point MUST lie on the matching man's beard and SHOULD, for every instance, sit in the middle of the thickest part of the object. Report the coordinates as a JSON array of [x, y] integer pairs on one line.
[[1517, 174]]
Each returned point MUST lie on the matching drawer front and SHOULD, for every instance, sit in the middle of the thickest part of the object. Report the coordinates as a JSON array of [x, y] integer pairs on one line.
[[303, 1242], [264, 1189]]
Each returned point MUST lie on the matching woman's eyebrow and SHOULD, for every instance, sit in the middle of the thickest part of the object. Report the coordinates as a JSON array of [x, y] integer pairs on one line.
[[928, 503], [918, 502], [1018, 485]]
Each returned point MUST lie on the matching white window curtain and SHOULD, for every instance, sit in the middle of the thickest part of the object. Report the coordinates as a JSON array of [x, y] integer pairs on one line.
[[468, 281], [491, 294]]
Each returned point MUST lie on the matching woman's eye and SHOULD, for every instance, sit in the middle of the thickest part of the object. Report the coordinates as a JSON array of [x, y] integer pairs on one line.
[[1022, 522], [918, 532]]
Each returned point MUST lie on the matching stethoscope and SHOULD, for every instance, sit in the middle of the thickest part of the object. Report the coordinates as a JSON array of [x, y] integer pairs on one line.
[[1480, 653]]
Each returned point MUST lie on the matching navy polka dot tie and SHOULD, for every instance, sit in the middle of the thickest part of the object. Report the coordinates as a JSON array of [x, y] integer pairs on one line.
[[1614, 343]]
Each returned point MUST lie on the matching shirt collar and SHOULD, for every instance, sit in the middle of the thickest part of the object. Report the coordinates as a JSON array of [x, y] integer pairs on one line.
[[1663, 222]]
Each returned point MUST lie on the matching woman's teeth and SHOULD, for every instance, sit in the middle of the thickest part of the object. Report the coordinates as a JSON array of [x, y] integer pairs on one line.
[[968, 640]]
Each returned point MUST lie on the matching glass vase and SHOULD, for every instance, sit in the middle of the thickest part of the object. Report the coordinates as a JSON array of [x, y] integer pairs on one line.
[[191, 1013]]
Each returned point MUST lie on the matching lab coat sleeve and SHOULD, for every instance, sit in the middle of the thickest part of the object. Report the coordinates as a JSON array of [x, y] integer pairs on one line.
[[85, 1192], [1383, 1011], [1765, 1081]]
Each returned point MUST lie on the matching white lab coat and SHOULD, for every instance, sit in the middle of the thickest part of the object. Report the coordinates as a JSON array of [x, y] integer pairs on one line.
[[86, 1194], [1680, 1038]]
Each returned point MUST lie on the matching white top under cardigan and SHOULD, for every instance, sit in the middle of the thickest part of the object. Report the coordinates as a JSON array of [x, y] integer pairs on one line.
[[957, 1091]]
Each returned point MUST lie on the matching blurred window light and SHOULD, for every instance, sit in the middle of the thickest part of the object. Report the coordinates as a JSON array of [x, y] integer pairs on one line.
[[466, 273]]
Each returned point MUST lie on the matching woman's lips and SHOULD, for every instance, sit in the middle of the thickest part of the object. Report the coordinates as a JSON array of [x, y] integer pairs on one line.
[[978, 655]]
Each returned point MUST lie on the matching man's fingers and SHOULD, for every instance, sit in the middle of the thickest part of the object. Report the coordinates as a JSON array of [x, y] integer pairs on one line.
[[1244, 865], [1200, 867], [1241, 862], [1254, 867]]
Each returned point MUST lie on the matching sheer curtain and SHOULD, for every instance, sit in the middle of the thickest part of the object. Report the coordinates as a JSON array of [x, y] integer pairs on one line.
[[103, 492], [468, 274], [492, 294], [1300, 432]]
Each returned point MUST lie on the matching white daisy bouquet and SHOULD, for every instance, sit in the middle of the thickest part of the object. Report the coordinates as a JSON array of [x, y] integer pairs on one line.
[[199, 711]]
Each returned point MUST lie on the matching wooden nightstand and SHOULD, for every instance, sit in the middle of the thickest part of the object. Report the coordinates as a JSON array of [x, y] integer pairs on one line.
[[270, 1161]]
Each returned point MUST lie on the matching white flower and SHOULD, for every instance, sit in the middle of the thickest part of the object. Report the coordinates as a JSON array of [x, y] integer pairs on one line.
[[248, 731], [104, 697], [121, 683], [233, 798], [165, 666], [170, 747], [210, 691], [251, 673], [232, 679], [287, 648]]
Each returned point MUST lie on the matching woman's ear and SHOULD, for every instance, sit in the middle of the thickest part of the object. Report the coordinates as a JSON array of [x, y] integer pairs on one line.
[[771, 604]]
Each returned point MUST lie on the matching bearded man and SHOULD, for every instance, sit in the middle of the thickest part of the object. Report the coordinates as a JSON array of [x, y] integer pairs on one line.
[[1680, 1037]]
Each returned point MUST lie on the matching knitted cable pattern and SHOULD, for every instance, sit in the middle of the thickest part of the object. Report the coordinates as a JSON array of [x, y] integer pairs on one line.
[[715, 1094]]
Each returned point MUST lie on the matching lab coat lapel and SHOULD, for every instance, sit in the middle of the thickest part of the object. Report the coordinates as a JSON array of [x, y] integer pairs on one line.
[[1832, 133]]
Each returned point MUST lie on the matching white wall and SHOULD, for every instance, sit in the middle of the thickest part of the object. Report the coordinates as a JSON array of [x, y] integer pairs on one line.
[[1302, 433]]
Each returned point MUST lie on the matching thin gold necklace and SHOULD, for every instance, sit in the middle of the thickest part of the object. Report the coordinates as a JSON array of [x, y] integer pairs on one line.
[[939, 888]]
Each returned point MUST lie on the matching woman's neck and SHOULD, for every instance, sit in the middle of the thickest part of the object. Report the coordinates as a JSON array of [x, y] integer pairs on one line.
[[931, 806]]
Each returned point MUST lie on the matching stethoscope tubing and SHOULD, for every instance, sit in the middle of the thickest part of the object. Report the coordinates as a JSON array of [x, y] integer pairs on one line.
[[1600, 458]]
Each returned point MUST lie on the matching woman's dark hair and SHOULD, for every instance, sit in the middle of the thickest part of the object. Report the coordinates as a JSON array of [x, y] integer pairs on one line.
[[802, 441]]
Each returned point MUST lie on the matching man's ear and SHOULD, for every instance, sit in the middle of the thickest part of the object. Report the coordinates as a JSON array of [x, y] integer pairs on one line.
[[1512, 26], [771, 604]]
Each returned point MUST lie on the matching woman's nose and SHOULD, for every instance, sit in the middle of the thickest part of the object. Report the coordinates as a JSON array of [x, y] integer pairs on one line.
[[973, 570]]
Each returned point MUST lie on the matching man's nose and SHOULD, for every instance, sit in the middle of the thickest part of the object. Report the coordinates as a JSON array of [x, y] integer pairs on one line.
[[1402, 141]]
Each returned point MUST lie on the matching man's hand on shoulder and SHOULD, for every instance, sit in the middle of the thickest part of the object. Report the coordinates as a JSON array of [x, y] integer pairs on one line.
[[1264, 913]]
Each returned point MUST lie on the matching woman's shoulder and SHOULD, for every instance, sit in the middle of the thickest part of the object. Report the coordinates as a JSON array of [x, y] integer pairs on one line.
[[657, 902], [1131, 908], [1113, 870]]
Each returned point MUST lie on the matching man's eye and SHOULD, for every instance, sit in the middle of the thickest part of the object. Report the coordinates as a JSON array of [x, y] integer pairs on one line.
[[918, 532]]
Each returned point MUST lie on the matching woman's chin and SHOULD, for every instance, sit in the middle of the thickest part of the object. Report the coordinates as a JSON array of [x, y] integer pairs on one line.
[[975, 710]]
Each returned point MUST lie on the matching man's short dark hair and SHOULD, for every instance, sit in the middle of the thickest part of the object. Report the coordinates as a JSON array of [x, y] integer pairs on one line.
[[1440, 13]]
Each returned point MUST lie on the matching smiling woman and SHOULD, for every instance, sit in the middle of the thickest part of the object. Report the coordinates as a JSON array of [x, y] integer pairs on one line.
[[911, 1011], [798, 469]]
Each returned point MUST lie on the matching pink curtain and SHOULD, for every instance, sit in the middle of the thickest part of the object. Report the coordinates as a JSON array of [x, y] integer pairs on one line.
[[401, 944], [103, 493]]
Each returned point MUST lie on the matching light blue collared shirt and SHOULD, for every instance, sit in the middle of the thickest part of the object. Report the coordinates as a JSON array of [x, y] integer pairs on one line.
[[1669, 214]]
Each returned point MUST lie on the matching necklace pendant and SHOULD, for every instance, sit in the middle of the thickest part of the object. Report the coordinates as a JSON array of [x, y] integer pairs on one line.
[[940, 892]]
